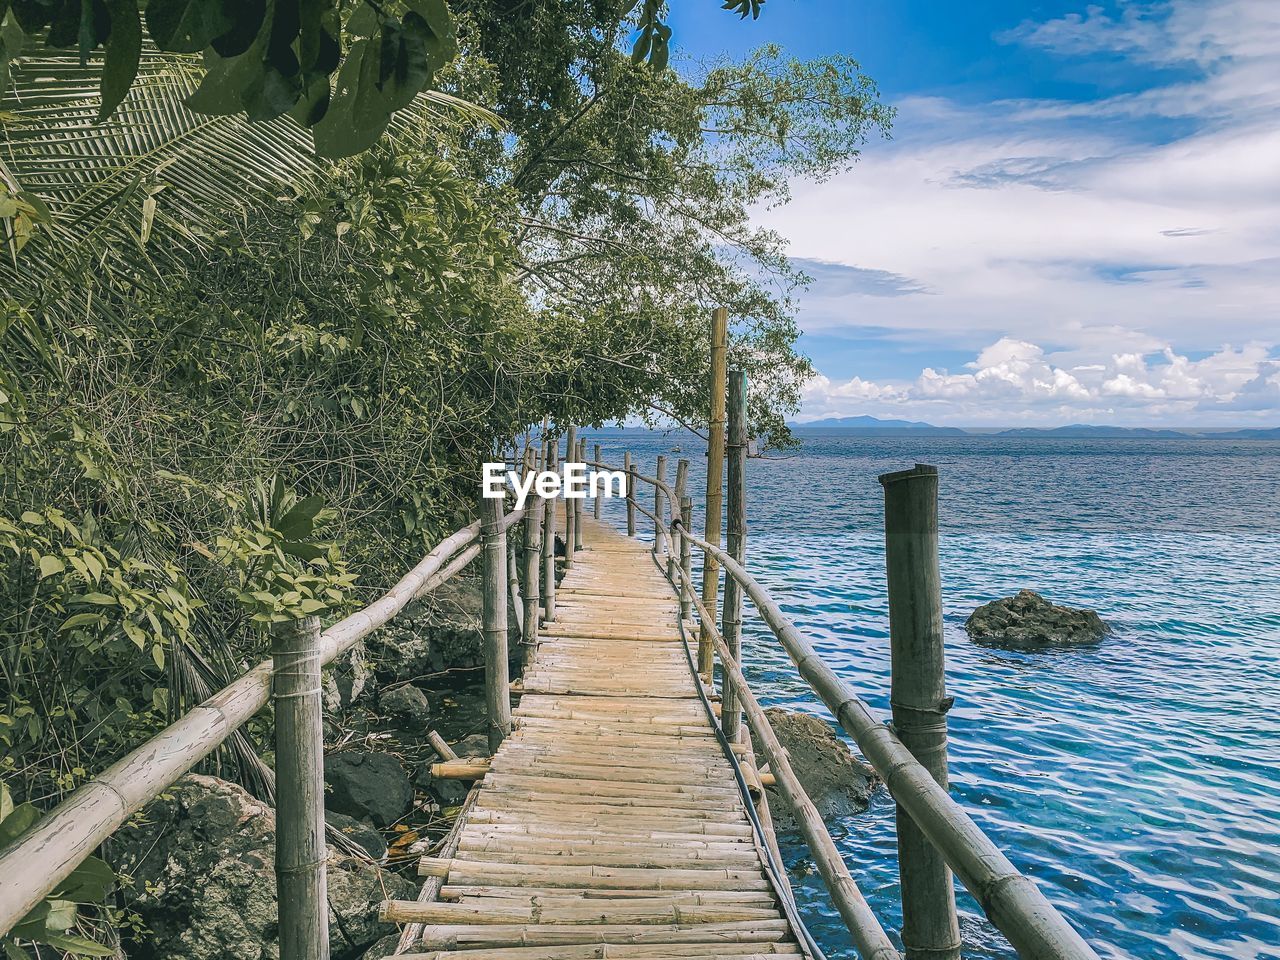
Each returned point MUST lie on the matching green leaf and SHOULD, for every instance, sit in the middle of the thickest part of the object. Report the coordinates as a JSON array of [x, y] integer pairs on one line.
[[157, 656], [187, 26], [50, 565], [19, 819], [311, 605], [6, 802], [122, 54], [80, 620], [297, 523], [88, 883], [101, 599], [61, 916], [14, 952], [78, 946]]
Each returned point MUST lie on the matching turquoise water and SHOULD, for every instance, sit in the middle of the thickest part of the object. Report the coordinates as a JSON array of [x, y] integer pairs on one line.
[[1137, 781]]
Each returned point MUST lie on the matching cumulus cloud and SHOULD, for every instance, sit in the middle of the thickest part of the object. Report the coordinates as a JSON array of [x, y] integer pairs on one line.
[[1018, 381], [1084, 226]]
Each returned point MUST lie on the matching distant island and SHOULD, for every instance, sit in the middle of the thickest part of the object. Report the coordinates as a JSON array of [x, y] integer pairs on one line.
[[874, 426]]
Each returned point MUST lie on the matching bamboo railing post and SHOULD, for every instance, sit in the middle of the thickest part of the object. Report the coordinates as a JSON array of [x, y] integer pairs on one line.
[[686, 558], [580, 456], [301, 854], [549, 541], [735, 540], [595, 497], [677, 533], [532, 559], [497, 678], [570, 517], [661, 474], [715, 471], [631, 493], [918, 695]]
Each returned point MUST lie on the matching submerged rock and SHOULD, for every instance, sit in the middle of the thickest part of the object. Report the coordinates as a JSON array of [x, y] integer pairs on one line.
[[1029, 621], [202, 863], [360, 832], [838, 783], [368, 786]]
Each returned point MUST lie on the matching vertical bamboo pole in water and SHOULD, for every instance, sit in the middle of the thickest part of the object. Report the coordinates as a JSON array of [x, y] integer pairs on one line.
[[301, 854], [686, 561], [918, 695], [661, 474], [735, 540], [677, 535], [715, 471], [532, 556], [570, 518], [549, 540], [631, 493], [497, 679], [595, 496], [579, 456]]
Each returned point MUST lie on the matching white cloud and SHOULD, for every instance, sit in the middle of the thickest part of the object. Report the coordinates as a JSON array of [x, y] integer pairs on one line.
[[1080, 225], [1018, 381]]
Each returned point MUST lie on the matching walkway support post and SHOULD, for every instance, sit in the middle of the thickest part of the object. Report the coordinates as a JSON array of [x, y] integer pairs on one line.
[[677, 533], [579, 456], [631, 493], [549, 540], [660, 472], [595, 495], [497, 678], [735, 542], [715, 471], [686, 559], [301, 854], [531, 560], [919, 699], [570, 518]]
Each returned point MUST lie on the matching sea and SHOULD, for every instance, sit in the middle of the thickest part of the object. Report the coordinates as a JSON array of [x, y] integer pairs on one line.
[[1136, 780]]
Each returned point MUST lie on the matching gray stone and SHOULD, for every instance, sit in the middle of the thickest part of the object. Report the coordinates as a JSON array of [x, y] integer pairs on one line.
[[368, 838], [839, 784], [407, 703], [475, 745], [201, 862], [368, 786], [384, 948], [1027, 621]]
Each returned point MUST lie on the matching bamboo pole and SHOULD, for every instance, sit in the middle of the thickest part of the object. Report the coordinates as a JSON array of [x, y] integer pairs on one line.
[[677, 541], [918, 695], [595, 506], [1011, 901], [301, 854], [549, 452], [631, 493], [570, 515], [686, 559], [661, 473], [715, 471], [497, 679], [515, 602], [735, 540], [580, 457], [532, 558]]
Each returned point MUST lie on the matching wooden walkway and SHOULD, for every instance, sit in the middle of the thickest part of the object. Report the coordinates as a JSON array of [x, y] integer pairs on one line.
[[610, 823]]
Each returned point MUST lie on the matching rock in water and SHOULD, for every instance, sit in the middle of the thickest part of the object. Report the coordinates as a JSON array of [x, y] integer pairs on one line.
[[368, 786], [202, 859], [837, 782], [1028, 621], [409, 704]]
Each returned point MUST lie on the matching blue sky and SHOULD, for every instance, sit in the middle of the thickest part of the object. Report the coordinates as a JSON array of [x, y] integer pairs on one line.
[[1077, 218]]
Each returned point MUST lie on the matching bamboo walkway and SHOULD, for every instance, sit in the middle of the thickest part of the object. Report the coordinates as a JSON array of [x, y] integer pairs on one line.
[[610, 823]]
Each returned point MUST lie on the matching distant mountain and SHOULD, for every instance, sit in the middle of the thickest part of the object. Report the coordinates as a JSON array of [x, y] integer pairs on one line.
[[874, 426], [1083, 431], [1260, 434]]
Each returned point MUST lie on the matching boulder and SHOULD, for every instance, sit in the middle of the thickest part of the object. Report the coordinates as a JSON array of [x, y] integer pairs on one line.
[[439, 632], [838, 783], [349, 678], [201, 859], [1027, 621], [408, 704], [361, 833], [384, 948], [368, 786]]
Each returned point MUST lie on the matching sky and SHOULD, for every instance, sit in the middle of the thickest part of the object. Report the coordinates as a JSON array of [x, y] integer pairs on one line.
[[1076, 218]]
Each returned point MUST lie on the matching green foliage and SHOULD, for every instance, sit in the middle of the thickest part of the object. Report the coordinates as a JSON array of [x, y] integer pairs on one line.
[[53, 921], [340, 70]]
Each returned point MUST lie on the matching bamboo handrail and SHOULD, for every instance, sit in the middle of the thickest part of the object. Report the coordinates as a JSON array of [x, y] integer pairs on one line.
[[1010, 900], [41, 858]]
